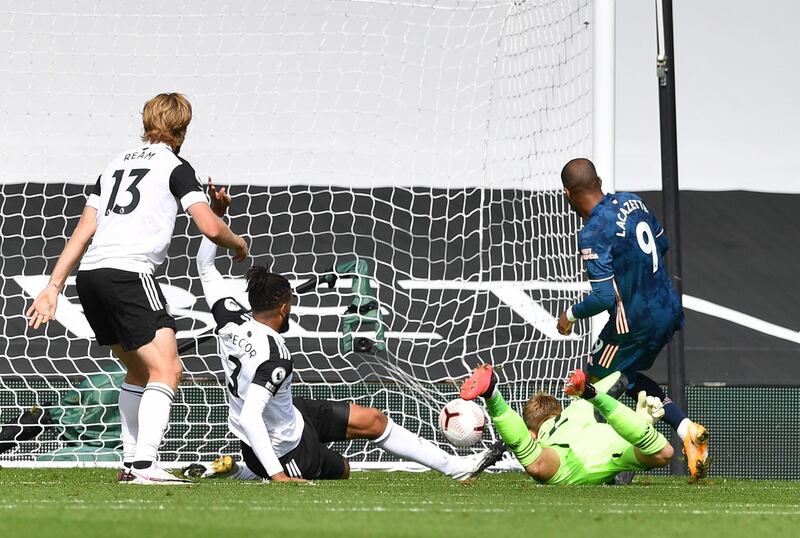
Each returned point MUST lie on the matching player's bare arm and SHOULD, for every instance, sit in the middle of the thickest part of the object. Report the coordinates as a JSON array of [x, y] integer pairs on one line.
[[211, 226], [252, 422], [545, 466], [211, 279], [43, 308]]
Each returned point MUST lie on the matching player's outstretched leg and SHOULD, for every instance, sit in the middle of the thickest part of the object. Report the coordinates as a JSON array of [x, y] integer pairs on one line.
[[626, 422], [694, 435], [398, 441], [511, 427]]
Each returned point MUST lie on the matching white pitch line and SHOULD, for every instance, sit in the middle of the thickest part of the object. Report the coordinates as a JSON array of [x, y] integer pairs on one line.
[[251, 506]]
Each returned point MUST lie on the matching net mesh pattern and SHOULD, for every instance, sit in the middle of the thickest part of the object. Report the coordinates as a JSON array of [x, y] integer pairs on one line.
[[423, 139]]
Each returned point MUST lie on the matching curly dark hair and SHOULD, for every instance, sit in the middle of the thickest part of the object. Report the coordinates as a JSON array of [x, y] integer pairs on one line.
[[265, 290]]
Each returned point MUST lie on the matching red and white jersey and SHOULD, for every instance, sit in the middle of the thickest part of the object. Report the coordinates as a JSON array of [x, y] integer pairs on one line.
[[137, 198]]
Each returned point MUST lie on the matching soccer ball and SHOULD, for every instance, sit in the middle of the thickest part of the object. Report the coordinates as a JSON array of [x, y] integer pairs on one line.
[[462, 422]]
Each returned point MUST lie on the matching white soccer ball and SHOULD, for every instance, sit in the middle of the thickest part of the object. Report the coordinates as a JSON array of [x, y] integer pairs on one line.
[[462, 422]]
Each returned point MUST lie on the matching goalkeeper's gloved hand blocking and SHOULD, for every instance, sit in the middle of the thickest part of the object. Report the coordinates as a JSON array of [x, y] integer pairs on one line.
[[650, 407]]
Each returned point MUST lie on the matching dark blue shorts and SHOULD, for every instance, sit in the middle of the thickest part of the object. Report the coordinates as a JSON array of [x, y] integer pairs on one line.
[[627, 356]]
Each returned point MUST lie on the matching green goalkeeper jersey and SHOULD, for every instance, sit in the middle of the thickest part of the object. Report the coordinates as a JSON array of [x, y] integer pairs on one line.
[[590, 452]]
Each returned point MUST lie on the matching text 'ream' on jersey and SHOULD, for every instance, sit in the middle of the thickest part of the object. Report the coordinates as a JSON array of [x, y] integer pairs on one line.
[[137, 198]]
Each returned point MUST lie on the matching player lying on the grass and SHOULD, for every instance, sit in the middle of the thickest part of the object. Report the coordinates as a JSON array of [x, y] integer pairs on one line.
[[623, 246], [569, 446], [127, 225], [284, 438]]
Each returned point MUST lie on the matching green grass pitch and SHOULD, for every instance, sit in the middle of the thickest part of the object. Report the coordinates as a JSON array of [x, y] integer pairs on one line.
[[87, 502]]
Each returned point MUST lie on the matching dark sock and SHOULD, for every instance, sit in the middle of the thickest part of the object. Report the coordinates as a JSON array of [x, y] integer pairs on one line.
[[642, 382], [142, 464], [673, 415], [589, 391], [490, 391]]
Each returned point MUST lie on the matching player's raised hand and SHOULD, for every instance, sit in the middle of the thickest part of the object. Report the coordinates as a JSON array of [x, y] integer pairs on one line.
[[564, 324], [43, 308], [220, 199]]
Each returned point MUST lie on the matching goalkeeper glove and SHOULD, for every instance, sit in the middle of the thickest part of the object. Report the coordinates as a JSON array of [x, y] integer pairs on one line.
[[650, 407]]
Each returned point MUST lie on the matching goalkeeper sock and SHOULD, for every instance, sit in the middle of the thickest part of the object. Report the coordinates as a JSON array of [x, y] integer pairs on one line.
[[673, 415], [512, 430], [130, 396], [153, 418], [400, 442], [631, 426]]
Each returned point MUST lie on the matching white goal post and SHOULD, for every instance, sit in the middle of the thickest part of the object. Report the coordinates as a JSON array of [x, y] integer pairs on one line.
[[410, 148]]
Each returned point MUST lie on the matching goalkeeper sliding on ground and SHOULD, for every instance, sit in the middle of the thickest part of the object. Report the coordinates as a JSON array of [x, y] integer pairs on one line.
[[570, 446]]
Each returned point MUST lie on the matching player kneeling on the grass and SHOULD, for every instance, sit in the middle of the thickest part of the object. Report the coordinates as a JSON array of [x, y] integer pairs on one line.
[[569, 446], [284, 438]]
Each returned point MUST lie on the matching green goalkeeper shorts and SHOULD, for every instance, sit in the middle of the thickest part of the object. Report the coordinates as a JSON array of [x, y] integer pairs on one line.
[[590, 452]]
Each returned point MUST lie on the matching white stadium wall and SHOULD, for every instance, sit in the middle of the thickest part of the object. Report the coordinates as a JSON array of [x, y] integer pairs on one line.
[[352, 94], [736, 94], [74, 79]]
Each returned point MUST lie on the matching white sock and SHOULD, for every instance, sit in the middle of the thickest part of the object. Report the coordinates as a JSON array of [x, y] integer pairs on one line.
[[129, 398], [400, 442], [242, 472], [153, 418], [683, 428]]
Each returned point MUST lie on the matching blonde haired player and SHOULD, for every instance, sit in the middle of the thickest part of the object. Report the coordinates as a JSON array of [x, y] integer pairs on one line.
[[570, 446], [127, 226]]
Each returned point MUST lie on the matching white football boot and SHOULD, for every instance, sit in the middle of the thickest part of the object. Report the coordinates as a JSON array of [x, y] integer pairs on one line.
[[155, 475]]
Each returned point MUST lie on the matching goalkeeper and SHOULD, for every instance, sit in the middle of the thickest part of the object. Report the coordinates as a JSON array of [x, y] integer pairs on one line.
[[569, 446]]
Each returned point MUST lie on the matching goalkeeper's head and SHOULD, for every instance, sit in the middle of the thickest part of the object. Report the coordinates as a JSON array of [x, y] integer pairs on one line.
[[166, 117], [538, 409], [270, 297]]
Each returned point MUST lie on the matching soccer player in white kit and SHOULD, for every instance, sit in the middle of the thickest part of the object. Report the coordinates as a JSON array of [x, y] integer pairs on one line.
[[284, 438], [127, 225]]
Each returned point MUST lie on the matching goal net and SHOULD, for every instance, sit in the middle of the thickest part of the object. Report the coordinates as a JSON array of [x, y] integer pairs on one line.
[[411, 149]]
